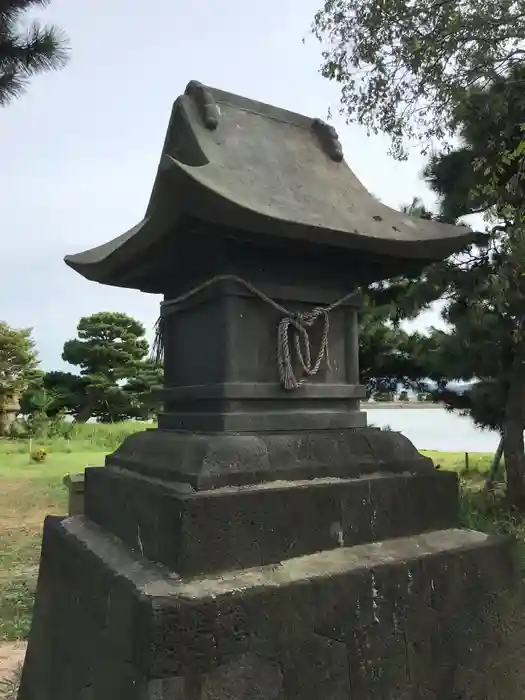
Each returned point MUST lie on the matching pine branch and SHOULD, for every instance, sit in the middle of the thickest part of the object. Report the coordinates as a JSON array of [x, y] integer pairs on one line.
[[11, 85], [41, 48], [15, 8], [12, 10], [24, 53]]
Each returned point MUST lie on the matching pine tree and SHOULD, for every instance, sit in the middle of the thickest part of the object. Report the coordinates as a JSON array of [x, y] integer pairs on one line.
[[111, 352], [485, 290], [430, 71], [26, 50]]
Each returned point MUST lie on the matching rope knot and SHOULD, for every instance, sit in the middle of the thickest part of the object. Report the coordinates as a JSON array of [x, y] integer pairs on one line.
[[296, 325], [293, 325]]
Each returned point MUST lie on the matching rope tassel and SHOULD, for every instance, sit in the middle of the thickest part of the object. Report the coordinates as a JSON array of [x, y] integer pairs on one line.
[[292, 326], [157, 348], [297, 325]]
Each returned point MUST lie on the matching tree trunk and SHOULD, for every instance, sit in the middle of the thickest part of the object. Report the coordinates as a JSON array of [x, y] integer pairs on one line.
[[86, 409], [513, 447], [7, 418], [8, 413], [494, 467]]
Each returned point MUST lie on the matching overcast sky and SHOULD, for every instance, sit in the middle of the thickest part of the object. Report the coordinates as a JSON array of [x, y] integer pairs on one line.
[[79, 151]]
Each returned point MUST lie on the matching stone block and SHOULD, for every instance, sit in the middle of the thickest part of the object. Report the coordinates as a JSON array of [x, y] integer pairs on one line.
[[194, 532], [109, 623]]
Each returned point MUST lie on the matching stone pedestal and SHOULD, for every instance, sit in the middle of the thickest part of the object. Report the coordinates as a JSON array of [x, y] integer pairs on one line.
[[264, 544], [361, 589]]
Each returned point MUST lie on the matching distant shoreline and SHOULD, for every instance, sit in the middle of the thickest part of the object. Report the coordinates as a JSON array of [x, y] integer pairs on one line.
[[399, 405]]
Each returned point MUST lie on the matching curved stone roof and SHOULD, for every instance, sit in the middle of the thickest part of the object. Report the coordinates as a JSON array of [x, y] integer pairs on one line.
[[235, 162]]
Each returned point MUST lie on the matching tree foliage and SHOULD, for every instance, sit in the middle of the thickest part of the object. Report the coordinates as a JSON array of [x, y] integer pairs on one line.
[[483, 402], [26, 50], [18, 365], [117, 377], [437, 69], [485, 174], [390, 356], [404, 66], [18, 361], [135, 398], [485, 291], [54, 393]]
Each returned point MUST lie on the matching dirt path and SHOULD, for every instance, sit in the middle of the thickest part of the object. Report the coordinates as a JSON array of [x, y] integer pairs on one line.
[[11, 656]]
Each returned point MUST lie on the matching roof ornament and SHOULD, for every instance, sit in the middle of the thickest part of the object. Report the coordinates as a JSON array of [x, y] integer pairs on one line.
[[329, 139], [205, 103]]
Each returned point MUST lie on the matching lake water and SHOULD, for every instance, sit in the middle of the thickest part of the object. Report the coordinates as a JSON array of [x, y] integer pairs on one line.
[[435, 429]]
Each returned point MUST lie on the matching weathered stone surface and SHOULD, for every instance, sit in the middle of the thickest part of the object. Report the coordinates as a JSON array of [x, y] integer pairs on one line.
[[223, 459], [427, 615], [238, 527], [74, 484], [248, 676], [167, 689], [213, 384], [317, 667]]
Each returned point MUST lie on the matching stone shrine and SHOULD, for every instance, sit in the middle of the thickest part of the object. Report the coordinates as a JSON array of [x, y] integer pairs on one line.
[[263, 543]]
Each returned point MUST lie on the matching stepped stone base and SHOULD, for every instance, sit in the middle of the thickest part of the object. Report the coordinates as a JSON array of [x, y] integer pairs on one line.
[[209, 460], [203, 532], [435, 616]]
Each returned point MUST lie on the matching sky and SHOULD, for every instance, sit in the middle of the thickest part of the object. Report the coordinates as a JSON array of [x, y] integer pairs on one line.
[[81, 148]]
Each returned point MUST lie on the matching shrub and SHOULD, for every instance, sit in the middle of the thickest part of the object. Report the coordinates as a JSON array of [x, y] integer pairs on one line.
[[38, 455]]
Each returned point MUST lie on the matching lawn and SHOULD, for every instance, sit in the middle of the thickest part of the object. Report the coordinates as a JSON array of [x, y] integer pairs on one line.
[[29, 491]]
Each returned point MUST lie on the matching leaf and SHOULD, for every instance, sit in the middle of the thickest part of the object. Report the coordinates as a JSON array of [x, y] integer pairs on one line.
[[520, 148], [410, 69]]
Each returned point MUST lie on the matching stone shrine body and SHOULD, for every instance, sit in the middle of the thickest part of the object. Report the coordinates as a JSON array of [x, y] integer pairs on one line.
[[264, 543]]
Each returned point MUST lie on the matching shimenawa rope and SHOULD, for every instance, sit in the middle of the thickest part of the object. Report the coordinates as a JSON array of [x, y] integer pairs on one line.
[[294, 324]]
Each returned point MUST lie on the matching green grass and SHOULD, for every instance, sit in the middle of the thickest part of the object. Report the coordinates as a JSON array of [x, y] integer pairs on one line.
[[30, 491], [480, 510], [78, 438], [455, 461]]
